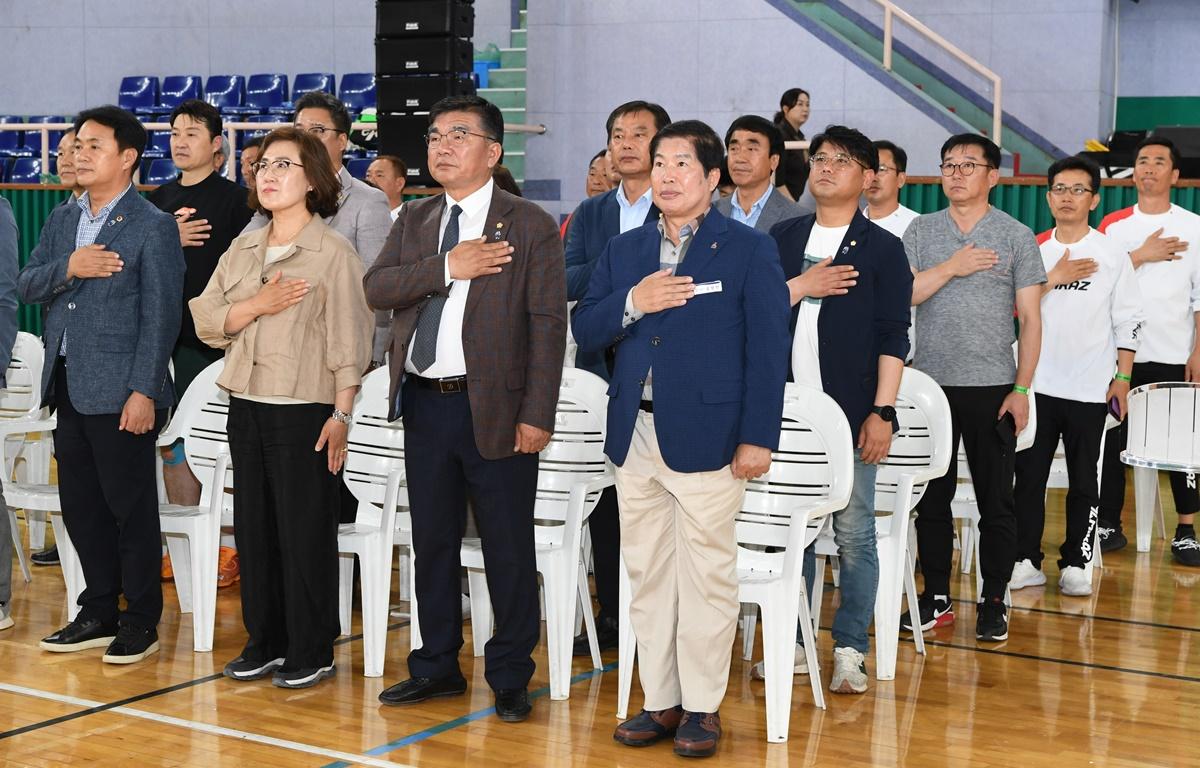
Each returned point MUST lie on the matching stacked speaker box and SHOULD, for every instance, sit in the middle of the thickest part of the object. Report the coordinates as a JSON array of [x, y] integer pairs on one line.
[[423, 53]]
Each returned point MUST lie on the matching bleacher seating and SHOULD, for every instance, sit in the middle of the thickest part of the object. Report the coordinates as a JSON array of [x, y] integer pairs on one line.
[[24, 170], [358, 166], [226, 92], [305, 82], [160, 171], [265, 91], [33, 139], [244, 135], [12, 143], [158, 144], [357, 91], [138, 94], [177, 89]]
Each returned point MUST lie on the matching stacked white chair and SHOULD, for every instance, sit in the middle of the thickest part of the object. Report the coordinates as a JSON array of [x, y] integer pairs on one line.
[[783, 512], [21, 416]]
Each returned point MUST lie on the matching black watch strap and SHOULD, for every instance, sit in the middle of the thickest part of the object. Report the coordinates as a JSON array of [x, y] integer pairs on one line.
[[885, 412]]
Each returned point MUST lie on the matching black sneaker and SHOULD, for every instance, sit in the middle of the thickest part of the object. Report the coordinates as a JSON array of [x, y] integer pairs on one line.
[[242, 668], [45, 557], [991, 622], [131, 645], [79, 635], [935, 612], [1111, 539], [302, 678], [607, 637], [1186, 550]]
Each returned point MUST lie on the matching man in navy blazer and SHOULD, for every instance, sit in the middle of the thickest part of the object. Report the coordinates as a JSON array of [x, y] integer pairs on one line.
[[850, 288], [697, 308], [110, 268]]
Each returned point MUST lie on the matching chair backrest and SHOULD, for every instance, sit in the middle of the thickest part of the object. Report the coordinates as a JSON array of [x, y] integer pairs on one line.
[[11, 139], [1164, 427], [33, 139], [243, 136], [22, 398], [358, 166], [137, 91], [266, 90], [312, 81], [161, 171], [922, 446], [161, 141], [25, 170], [200, 420], [813, 469], [357, 90], [225, 90], [376, 447], [177, 89]]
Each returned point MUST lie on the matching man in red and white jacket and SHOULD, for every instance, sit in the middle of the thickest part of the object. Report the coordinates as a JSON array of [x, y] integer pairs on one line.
[[1163, 243], [1091, 316]]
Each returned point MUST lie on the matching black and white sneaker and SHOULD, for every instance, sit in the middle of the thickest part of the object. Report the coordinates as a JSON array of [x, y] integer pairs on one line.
[[991, 622], [1111, 539], [302, 678], [45, 557], [1186, 550], [79, 635], [242, 668], [131, 645], [935, 611]]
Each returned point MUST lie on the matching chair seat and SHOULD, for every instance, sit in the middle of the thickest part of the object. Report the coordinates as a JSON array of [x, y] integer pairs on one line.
[[35, 496], [179, 511], [356, 530]]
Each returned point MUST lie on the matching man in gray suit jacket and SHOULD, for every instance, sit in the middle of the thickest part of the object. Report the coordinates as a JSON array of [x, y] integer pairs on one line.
[[8, 334], [754, 146], [110, 268]]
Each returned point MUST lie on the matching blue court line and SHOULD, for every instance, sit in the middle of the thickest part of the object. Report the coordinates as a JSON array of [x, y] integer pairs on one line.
[[468, 718]]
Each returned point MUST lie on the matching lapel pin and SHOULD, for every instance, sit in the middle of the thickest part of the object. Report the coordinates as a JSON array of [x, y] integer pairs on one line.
[[853, 242], [713, 246], [111, 222], [499, 224]]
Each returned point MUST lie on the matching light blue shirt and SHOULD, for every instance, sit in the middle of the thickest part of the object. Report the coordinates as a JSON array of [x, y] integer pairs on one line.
[[633, 215], [88, 230], [749, 219]]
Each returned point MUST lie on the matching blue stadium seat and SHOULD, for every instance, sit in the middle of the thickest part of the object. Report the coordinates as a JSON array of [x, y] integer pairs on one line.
[[266, 91], [358, 167], [243, 135], [303, 83], [33, 139], [138, 93], [177, 89], [357, 90], [226, 92], [25, 170], [12, 143], [160, 171], [158, 144]]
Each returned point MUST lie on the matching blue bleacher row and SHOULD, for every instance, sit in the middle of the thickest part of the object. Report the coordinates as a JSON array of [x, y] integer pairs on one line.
[[154, 170], [238, 96]]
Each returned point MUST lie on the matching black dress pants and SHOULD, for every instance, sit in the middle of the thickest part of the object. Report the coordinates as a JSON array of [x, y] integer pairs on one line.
[[604, 524], [991, 449], [285, 524], [1080, 425], [106, 482], [443, 466], [1112, 484]]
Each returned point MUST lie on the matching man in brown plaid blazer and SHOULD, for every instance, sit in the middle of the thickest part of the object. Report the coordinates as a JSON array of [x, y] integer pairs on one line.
[[476, 281]]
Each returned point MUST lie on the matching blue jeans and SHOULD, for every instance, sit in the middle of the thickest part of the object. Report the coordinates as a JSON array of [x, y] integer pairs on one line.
[[854, 533]]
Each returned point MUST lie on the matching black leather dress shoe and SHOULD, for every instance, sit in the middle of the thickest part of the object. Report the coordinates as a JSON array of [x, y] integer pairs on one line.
[[607, 637], [79, 635], [418, 689], [512, 704]]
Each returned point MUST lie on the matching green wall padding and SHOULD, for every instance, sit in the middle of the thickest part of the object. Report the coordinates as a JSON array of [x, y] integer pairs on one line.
[[1144, 113]]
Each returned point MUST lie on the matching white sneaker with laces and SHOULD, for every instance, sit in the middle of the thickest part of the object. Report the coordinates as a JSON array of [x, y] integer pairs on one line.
[[800, 665], [849, 671], [1025, 574], [1074, 581]]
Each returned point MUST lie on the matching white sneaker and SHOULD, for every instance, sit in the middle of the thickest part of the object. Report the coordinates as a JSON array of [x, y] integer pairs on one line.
[[1074, 581], [849, 672], [800, 665], [1024, 574], [6, 621]]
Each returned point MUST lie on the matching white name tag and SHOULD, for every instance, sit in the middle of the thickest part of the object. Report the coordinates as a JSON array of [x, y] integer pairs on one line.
[[713, 287]]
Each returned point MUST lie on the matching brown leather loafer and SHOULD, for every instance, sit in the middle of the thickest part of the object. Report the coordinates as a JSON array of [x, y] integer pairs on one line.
[[698, 734], [648, 727]]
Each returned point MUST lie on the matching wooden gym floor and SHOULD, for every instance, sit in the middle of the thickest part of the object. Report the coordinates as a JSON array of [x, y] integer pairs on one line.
[[1109, 680]]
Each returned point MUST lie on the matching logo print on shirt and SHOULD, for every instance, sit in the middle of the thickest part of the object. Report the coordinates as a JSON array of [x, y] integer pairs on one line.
[[1078, 285]]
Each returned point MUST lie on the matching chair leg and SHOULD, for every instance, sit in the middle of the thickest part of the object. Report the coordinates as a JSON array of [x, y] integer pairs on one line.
[[414, 624], [559, 612], [204, 546], [1145, 492], [818, 594], [749, 624], [405, 586], [626, 646], [887, 609], [910, 589], [16, 538], [72, 570], [778, 665], [376, 584], [35, 521], [481, 610], [589, 621], [345, 591], [810, 648], [179, 548]]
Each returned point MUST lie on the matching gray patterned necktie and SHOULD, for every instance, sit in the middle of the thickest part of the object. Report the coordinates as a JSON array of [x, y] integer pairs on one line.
[[424, 348]]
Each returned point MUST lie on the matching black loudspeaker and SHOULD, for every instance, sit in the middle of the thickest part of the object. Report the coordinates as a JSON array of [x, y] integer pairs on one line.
[[404, 137], [417, 93], [423, 56], [424, 18]]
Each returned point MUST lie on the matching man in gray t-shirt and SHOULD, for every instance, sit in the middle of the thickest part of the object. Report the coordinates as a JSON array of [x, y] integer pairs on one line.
[[972, 265]]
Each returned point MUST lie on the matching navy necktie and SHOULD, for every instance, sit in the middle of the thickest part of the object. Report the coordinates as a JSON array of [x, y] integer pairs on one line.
[[424, 347]]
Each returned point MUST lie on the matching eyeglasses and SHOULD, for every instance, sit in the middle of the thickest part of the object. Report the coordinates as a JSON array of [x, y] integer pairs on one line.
[[1076, 191], [837, 161], [886, 169], [966, 168], [318, 130], [280, 166], [455, 137]]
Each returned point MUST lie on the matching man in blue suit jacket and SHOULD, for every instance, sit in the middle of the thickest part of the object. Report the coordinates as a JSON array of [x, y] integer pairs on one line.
[[850, 288], [111, 270], [697, 308]]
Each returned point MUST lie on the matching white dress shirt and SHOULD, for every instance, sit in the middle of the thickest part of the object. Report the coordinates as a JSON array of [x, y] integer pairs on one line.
[[450, 360], [633, 214]]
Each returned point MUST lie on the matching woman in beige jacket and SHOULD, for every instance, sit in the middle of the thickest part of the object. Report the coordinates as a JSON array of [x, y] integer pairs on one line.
[[286, 304]]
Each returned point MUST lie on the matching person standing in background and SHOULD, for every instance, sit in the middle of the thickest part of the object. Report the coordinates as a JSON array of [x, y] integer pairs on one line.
[[793, 170]]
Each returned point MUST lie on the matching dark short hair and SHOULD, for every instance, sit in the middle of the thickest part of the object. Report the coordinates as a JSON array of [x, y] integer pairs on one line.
[[855, 142], [326, 188], [1160, 141], [201, 112], [127, 129], [597, 156], [899, 156], [328, 102], [491, 119], [991, 152], [252, 142], [757, 124], [788, 100], [704, 140], [661, 118], [1075, 163], [398, 165]]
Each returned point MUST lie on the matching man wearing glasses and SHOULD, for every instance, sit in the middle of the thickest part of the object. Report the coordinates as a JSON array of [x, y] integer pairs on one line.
[[475, 277], [972, 263], [1162, 241]]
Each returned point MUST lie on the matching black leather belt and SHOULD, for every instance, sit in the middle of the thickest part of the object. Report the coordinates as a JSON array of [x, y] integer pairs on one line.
[[447, 386], [647, 406]]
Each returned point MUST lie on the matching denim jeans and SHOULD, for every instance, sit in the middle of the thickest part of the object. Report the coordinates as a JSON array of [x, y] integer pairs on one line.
[[854, 533]]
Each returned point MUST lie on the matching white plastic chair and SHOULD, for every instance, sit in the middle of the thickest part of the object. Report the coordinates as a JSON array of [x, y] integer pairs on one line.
[[572, 471], [1163, 434], [783, 512], [374, 472], [920, 452]]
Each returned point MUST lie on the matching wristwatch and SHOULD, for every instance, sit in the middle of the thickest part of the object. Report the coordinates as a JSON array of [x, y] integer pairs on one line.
[[885, 412], [341, 416]]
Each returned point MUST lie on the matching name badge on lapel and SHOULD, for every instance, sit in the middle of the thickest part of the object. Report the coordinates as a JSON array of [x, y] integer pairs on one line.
[[713, 287]]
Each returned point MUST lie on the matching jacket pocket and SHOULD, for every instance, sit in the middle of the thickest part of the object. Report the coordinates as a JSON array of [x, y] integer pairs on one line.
[[721, 393], [515, 380]]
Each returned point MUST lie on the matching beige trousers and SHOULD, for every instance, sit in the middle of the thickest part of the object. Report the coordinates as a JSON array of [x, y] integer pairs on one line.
[[680, 548]]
